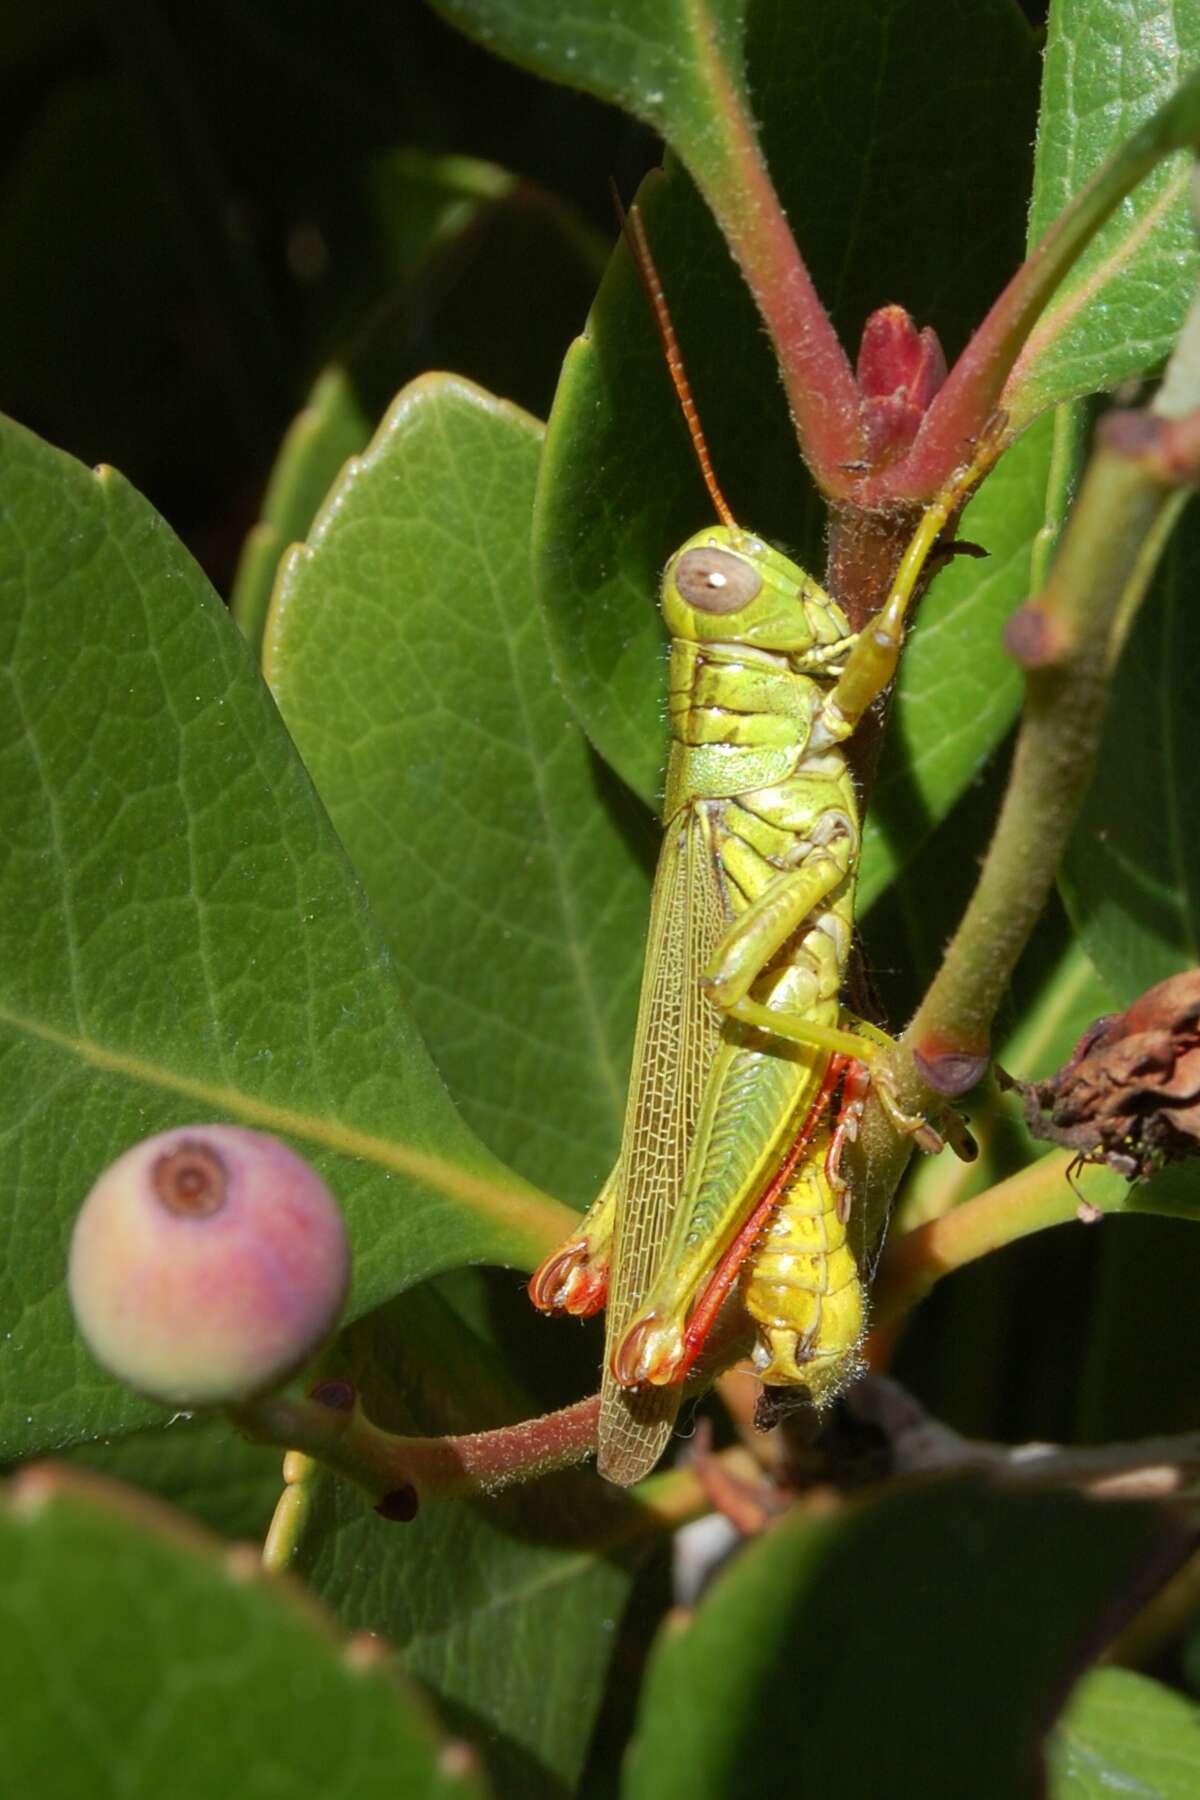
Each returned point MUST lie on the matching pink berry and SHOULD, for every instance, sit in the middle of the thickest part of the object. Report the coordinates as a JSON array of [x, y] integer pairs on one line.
[[207, 1264]]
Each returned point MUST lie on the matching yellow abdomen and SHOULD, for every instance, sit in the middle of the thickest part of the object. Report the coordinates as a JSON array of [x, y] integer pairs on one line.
[[803, 1289]]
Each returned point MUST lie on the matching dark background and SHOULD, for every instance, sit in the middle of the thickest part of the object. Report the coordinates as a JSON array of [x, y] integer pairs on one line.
[[199, 209]]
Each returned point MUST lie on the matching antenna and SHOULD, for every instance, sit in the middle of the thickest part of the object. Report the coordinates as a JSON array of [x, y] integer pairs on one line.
[[639, 246]]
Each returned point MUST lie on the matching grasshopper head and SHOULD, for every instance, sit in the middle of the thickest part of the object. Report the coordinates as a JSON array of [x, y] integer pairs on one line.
[[726, 586]]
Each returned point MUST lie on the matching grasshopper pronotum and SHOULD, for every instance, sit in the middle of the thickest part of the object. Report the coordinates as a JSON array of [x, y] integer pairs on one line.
[[741, 1037]]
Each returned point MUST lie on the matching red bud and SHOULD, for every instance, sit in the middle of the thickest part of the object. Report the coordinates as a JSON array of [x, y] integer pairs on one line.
[[900, 369]]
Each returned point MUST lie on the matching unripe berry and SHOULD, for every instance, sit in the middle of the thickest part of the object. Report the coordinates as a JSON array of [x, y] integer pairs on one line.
[[207, 1264]]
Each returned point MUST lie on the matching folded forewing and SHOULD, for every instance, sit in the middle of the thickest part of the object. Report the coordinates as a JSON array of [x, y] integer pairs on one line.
[[677, 1034]]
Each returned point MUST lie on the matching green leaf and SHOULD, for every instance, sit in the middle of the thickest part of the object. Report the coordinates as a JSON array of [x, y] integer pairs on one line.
[[1123, 1733], [666, 61], [417, 205], [619, 486], [516, 1645], [183, 937], [201, 1465], [410, 665], [331, 428], [1119, 310], [848, 1654], [138, 1660], [1132, 870]]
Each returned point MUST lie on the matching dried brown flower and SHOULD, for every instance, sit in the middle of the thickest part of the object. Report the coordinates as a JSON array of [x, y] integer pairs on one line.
[[1129, 1095]]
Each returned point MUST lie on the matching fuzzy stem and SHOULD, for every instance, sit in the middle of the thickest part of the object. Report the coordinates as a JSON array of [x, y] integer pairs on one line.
[[1063, 642], [399, 1473], [817, 378]]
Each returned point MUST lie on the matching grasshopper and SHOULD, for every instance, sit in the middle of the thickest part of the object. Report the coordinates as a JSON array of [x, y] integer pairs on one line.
[[741, 1038]]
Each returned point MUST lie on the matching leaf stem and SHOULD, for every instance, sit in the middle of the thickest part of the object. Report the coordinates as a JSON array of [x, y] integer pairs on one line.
[[920, 1445], [817, 377], [1165, 1618], [399, 1473], [1063, 642]]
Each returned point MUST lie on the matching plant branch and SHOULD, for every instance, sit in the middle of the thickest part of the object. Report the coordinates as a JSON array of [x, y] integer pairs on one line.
[[400, 1473], [1147, 1469], [817, 378], [1063, 642], [979, 385]]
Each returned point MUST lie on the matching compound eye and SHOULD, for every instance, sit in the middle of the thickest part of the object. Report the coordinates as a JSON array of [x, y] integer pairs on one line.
[[716, 581]]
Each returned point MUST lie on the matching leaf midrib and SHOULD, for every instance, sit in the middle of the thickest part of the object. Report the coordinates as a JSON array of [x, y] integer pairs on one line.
[[515, 1203]]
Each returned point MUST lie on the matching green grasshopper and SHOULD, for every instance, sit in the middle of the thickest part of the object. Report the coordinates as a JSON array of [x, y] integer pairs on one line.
[[741, 1037]]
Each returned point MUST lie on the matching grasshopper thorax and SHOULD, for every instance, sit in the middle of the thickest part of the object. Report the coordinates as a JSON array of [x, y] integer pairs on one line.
[[726, 586]]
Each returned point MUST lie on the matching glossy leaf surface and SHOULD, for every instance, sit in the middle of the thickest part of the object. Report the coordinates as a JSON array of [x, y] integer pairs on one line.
[[428, 250], [666, 61], [183, 937], [543, 1569], [138, 1661], [1122, 1733], [410, 665], [596, 584], [1119, 310], [200, 1465], [914, 1597], [329, 429]]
